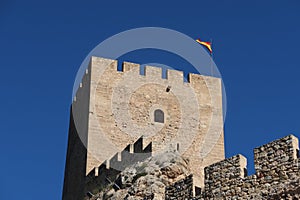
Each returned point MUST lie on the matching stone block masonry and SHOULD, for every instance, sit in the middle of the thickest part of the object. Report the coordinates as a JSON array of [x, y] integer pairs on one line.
[[113, 109], [180, 190], [277, 175]]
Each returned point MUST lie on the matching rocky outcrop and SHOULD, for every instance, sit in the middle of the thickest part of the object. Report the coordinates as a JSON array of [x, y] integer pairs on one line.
[[147, 179]]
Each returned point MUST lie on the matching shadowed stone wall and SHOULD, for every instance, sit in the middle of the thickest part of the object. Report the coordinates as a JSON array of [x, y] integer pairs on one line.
[[74, 178]]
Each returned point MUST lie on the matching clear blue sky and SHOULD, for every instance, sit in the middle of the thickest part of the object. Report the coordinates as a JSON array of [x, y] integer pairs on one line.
[[42, 44]]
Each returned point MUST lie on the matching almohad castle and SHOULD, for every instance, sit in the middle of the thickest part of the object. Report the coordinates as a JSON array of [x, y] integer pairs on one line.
[[134, 136]]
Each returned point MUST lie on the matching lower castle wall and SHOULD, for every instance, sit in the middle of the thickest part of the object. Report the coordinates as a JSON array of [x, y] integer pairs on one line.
[[277, 175], [255, 186], [180, 190]]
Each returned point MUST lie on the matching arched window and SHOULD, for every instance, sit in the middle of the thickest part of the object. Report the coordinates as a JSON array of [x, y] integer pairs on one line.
[[159, 116]]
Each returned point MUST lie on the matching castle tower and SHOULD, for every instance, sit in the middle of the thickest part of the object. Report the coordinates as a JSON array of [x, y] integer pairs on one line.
[[116, 110]]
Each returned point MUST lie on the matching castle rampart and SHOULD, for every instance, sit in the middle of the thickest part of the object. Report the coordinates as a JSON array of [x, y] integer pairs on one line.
[[277, 175]]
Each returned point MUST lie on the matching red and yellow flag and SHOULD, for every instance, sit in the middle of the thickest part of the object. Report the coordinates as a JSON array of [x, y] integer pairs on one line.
[[206, 44]]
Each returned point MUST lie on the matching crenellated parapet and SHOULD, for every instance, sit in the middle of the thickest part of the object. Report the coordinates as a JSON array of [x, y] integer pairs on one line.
[[220, 174], [107, 172], [277, 174], [277, 169], [272, 159]]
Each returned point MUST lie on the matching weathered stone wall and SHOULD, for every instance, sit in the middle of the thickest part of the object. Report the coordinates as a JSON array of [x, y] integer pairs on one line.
[[277, 174], [181, 190], [277, 168]]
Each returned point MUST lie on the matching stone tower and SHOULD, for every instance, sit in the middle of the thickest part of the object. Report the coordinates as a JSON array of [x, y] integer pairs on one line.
[[115, 112]]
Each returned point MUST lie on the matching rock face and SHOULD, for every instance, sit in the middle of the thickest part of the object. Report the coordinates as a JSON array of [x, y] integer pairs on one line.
[[147, 179]]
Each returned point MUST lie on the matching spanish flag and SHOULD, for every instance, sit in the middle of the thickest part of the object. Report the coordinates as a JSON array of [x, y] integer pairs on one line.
[[206, 44]]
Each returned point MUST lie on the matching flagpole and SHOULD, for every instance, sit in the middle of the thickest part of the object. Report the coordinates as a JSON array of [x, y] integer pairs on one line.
[[211, 59]]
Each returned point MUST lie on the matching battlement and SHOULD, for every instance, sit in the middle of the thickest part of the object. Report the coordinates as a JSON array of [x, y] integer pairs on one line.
[[98, 66], [107, 172], [150, 71], [277, 173], [275, 154], [219, 174], [274, 162], [83, 85], [131, 154]]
